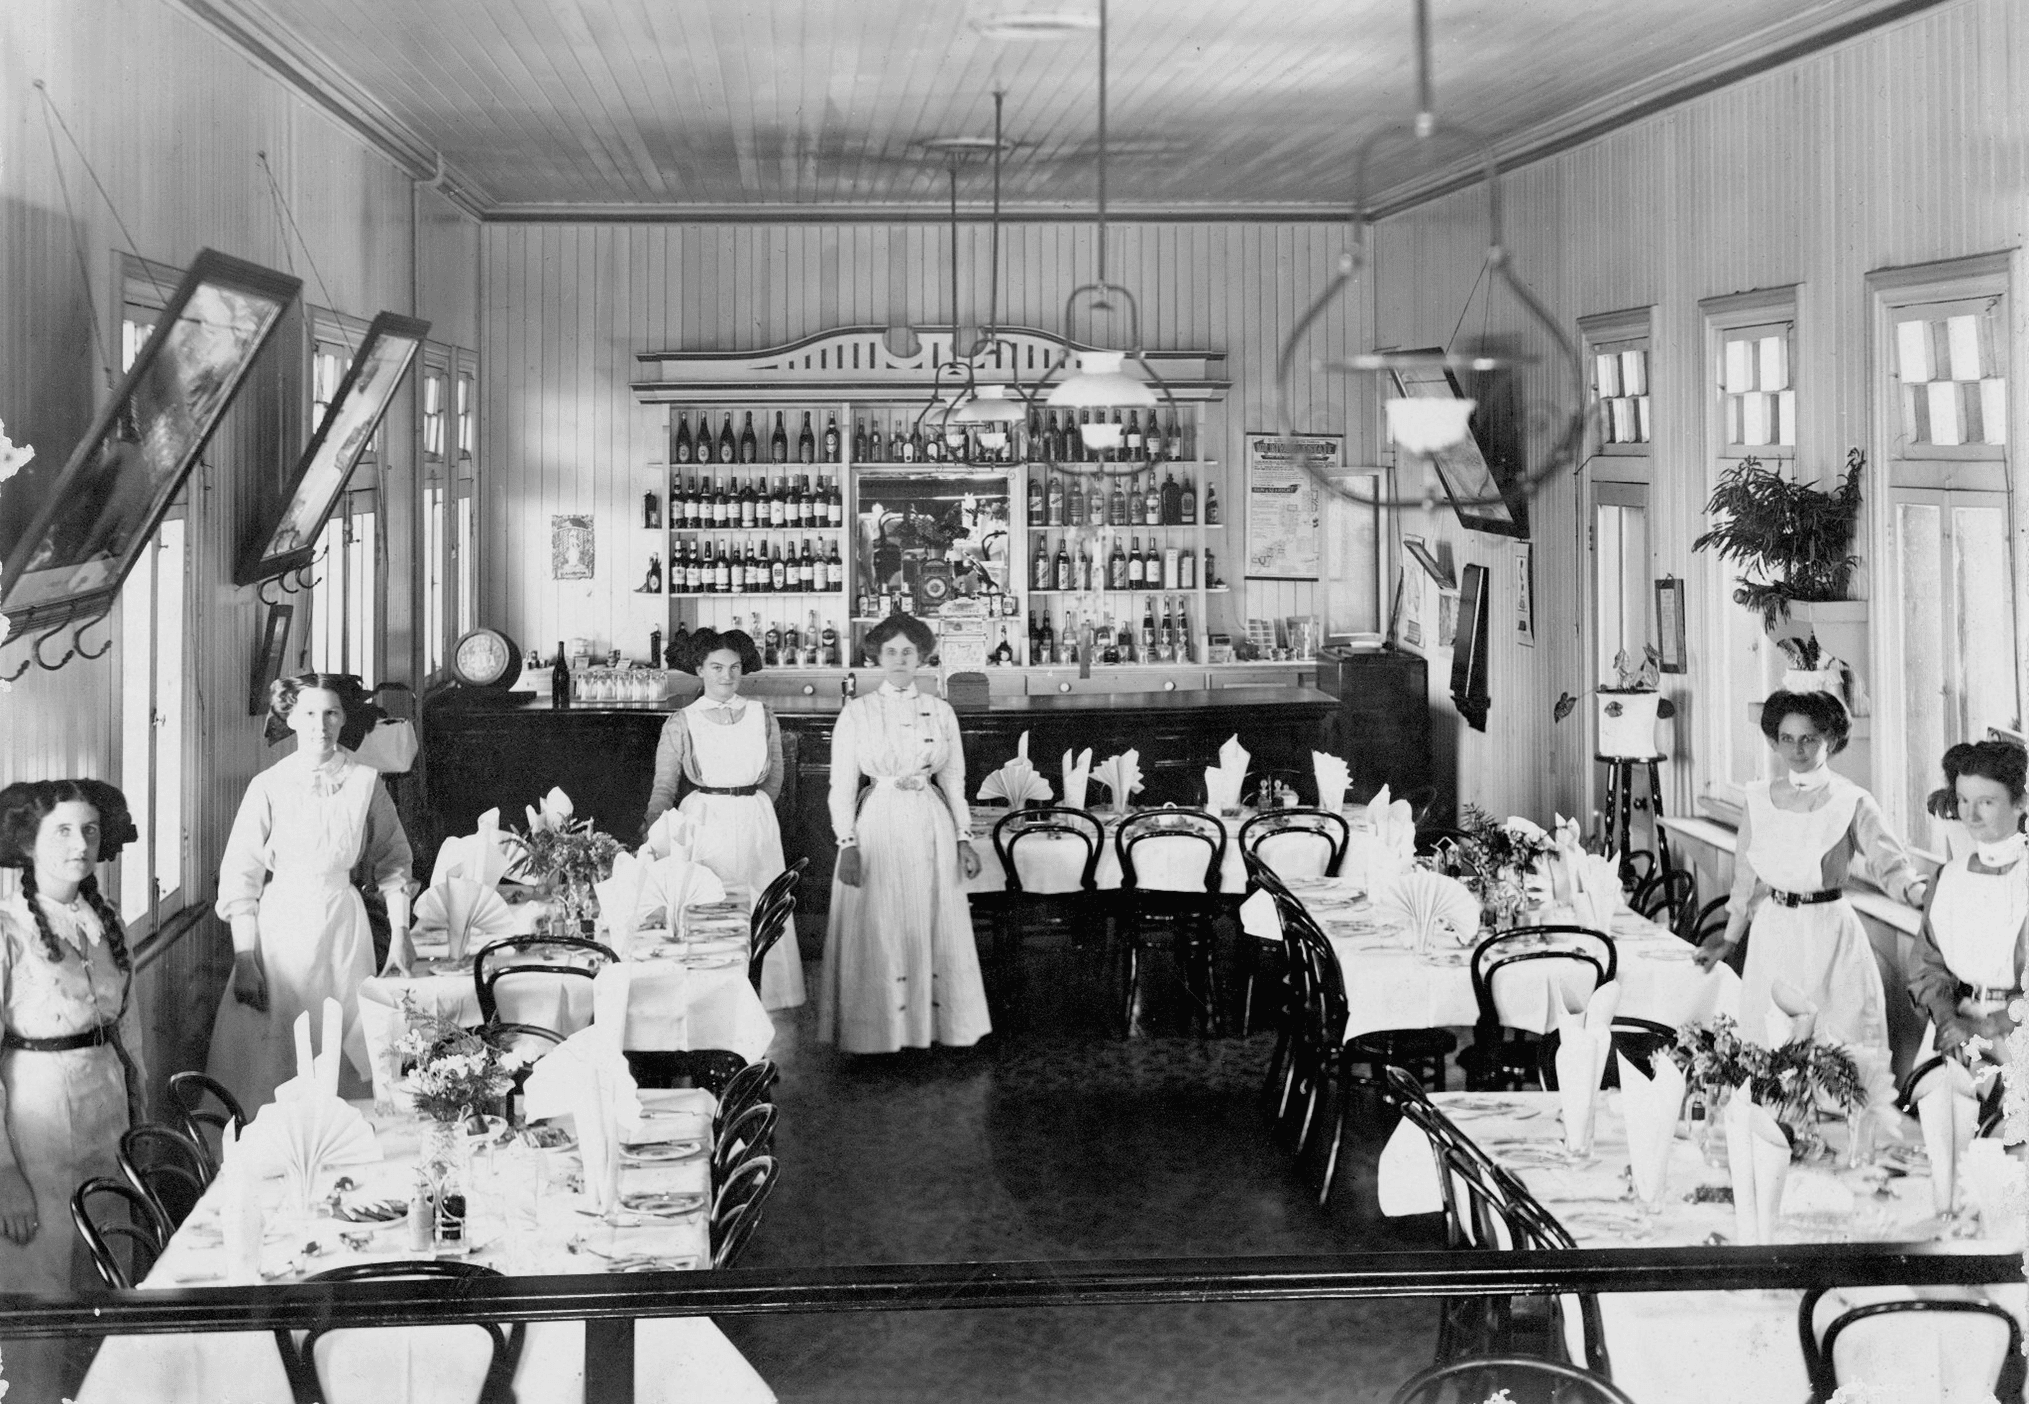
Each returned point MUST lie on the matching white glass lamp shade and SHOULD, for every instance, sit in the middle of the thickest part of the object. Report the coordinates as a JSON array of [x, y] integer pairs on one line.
[[1100, 435], [991, 405], [994, 439], [1426, 426], [1101, 381]]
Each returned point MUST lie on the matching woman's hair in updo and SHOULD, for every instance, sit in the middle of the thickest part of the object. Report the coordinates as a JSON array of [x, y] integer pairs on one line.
[[23, 807], [2003, 762], [1824, 711], [693, 648], [360, 711], [906, 626]]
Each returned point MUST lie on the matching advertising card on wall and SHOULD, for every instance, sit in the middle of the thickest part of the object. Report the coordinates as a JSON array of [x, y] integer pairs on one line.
[[1285, 508]]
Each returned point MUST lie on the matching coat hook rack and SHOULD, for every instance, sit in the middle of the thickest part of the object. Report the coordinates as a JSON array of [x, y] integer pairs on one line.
[[77, 646], [76, 649]]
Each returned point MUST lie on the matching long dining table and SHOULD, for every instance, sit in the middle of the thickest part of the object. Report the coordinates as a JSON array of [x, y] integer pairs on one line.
[[1699, 1347], [528, 1216]]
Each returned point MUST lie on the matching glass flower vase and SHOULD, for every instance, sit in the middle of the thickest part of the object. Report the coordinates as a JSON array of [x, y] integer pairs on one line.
[[445, 1162]]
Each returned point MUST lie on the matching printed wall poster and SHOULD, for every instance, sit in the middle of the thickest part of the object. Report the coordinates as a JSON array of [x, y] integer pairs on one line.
[[571, 556], [1525, 598], [1285, 505]]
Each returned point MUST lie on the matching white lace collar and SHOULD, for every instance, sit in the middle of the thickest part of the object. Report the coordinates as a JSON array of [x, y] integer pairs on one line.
[[888, 689], [323, 779], [74, 922]]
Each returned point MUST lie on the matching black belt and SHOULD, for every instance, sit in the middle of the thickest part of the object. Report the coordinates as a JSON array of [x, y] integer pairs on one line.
[[98, 1036], [727, 789], [1805, 899], [1988, 994]]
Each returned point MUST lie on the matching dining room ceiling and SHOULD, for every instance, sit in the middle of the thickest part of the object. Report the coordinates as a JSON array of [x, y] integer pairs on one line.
[[819, 108]]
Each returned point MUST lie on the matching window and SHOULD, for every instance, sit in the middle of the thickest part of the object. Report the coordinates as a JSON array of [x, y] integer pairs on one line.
[[1942, 418], [465, 484], [344, 597], [1618, 474], [1752, 412]]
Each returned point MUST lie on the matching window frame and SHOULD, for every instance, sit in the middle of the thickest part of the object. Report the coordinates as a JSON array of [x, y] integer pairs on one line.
[[462, 534], [338, 581], [435, 602]]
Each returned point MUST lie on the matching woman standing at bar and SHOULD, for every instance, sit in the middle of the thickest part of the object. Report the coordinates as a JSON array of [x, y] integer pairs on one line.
[[729, 751], [71, 1032], [302, 934], [1797, 836], [900, 969]]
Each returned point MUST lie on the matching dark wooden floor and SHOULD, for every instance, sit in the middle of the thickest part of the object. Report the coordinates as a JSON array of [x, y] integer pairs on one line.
[[1057, 1144]]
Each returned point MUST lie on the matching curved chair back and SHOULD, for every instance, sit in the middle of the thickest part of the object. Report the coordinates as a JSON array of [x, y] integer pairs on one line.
[[710, 1068], [565, 956], [1695, 923], [781, 886], [1049, 850], [1474, 1377], [751, 1084], [779, 921], [205, 1125], [144, 1233], [1978, 1349], [1664, 895], [300, 1361], [749, 1134], [1585, 954], [1297, 842], [736, 1210], [165, 1166], [1167, 844]]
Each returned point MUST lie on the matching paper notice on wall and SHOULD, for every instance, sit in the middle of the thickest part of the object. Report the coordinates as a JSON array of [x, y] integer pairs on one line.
[[1285, 503]]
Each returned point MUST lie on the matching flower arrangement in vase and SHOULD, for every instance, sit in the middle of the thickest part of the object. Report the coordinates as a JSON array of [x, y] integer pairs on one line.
[[453, 1073], [1790, 1080], [1495, 859], [564, 858]]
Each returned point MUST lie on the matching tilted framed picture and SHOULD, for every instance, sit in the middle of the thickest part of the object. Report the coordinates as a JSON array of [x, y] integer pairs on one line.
[[286, 539], [102, 508], [1482, 472]]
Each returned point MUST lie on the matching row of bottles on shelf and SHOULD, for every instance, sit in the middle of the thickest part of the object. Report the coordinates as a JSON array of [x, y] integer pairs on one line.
[[719, 568], [1169, 568], [746, 446], [815, 645], [1119, 500], [1102, 640], [699, 503]]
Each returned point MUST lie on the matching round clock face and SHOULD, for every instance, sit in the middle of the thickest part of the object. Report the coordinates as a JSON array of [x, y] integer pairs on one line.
[[486, 658]]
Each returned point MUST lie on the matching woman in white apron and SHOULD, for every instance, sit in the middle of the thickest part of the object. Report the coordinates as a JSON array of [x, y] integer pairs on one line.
[[729, 751], [900, 967], [299, 929], [1969, 954], [1797, 836], [68, 1082]]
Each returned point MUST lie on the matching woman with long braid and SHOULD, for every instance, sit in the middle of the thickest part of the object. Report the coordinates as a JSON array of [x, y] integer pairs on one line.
[[69, 1079]]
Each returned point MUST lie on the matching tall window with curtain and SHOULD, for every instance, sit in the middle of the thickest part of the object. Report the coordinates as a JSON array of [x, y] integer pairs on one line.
[[436, 494], [465, 490], [343, 635]]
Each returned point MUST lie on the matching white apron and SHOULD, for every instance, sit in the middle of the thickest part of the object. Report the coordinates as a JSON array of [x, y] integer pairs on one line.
[[1822, 950], [1977, 918], [738, 836]]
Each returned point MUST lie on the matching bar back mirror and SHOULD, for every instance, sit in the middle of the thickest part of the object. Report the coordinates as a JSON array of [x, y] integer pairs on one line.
[[938, 534], [105, 504], [284, 535]]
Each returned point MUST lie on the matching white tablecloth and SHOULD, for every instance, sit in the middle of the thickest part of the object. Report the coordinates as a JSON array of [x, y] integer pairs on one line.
[[1387, 987], [685, 1358], [1693, 1347]]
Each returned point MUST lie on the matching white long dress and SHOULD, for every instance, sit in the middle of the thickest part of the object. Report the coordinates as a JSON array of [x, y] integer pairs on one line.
[[64, 1111], [738, 836], [900, 967], [308, 828], [1820, 949], [1974, 931]]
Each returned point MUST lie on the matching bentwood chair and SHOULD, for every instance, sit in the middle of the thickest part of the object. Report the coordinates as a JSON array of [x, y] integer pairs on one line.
[[1980, 1340], [662, 1068], [300, 1361], [736, 1209], [1471, 1380], [527, 957], [143, 1232], [165, 1166], [1504, 1054], [778, 921], [1663, 896], [1049, 863], [1637, 1040], [204, 1126], [778, 890], [747, 1135], [531, 1042], [1294, 843], [1168, 901], [745, 1088]]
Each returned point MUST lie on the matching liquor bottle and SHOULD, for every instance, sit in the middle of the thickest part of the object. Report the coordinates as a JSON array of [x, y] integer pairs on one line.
[[771, 646], [1037, 509], [859, 439], [679, 503], [914, 452], [835, 569], [1038, 445], [1003, 653], [830, 641], [1151, 507], [1148, 630], [834, 500], [933, 446], [1211, 505], [750, 443], [723, 571], [680, 450], [728, 450], [1074, 503], [1136, 570], [736, 571], [742, 511], [1166, 636], [694, 569], [806, 441], [560, 679], [1172, 501], [1116, 568], [1131, 440], [1063, 566], [1067, 637], [849, 685], [1189, 502], [1187, 571], [1041, 572], [1095, 505], [796, 506], [778, 503], [807, 570], [1183, 633], [701, 564], [1211, 570], [1046, 648], [1116, 505], [651, 510], [778, 571], [792, 644]]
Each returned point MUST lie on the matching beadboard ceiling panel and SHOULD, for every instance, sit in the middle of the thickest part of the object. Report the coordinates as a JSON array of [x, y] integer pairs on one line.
[[770, 108]]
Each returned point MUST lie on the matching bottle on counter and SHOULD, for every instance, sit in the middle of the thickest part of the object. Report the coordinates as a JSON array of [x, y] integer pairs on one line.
[[680, 450], [560, 679]]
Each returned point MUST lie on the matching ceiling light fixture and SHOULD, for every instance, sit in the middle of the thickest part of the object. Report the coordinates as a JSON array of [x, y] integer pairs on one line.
[[1424, 427], [1037, 25]]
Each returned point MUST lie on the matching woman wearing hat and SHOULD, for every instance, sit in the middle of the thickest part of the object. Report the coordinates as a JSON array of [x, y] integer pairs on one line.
[[299, 928], [1797, 836], [69, 1085], [900, 968], [726, 751]]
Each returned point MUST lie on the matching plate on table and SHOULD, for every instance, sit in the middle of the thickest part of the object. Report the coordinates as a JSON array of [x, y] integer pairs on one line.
[[709, 960], [549, 1138], [662, 1152], [714, 909], [493, 1127], [1680, 951], [369, 1209], [664, 1204], [1488, 1106]]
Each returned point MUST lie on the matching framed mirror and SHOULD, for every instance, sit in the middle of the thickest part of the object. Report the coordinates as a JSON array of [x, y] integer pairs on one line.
[[1482, 473]]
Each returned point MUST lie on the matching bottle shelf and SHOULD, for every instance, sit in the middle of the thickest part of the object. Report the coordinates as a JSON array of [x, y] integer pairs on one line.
[[752, 530], [757, 594], [1128, 528], [1125, 590]]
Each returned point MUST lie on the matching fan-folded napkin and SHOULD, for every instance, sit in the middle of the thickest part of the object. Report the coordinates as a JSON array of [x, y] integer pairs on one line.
[[1121, 775], [1597, 891], [1584, 1038], [1223, 781], [1757, 1156], [1790, 1017], [1437, 910], [620, 899], [1077, 772], [1563, 864], [483, 856], [465, 913], [675, 882], [307, 1129], [672, 832], [555, 812], [586, 1078], [1649, 1107], [1393, 822], [1017, 781], [1332, 778], [1948, 1105]]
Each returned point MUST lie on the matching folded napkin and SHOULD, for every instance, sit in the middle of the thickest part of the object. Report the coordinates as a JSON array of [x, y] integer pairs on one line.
[[1948, 1105], [671, 832], [1393, 823], [483, 856], [1562, 864], [586, 1078], [1121, 775], [1076, 773], [1649, 1107], [1757, 1156], [307, 1129], [556, 811], [1790, 1017], [1224, 780], [1017, 781], [464, 913], [1438, 911], [673, 883], [1989, 1180], [620, 899], [1332, 778], [644, 1005], [1584, 1038], [1597, 891]]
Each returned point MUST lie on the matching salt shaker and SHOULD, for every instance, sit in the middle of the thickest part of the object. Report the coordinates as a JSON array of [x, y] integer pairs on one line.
[[422, 1226]]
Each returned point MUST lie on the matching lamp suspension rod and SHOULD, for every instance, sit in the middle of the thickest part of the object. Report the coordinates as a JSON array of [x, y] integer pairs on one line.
[[1426, 98], [993, 251], [953, 168], [1102, 147]]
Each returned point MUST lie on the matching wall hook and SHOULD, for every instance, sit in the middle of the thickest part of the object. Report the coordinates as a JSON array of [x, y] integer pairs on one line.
[[44, 663], [77, 639], [305, 580]]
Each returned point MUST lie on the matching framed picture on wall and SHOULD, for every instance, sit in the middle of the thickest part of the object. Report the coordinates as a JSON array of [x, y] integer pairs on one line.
[[1670, 645], [1285, 504], [1525, 596], [1481, 473], [270, 660]]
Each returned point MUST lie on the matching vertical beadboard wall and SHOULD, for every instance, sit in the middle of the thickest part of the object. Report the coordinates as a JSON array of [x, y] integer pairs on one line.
[[1906, 146], [171, 119], [567, 307]]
